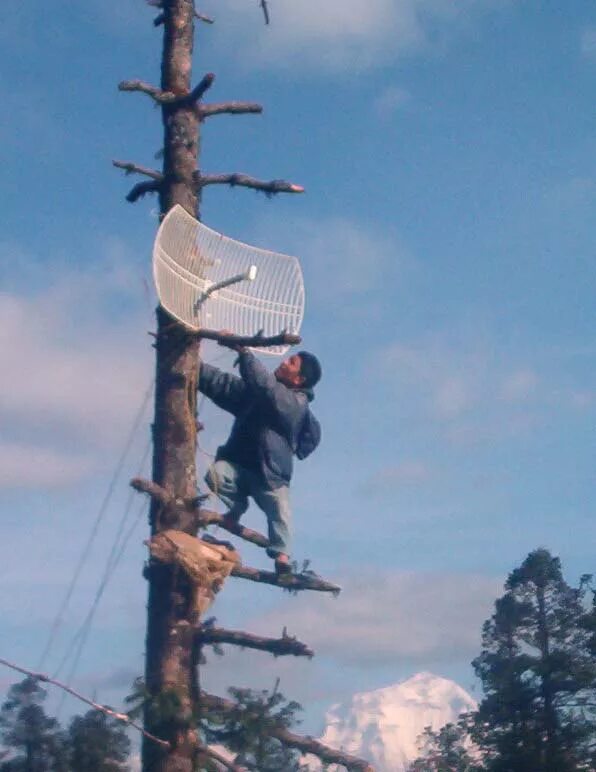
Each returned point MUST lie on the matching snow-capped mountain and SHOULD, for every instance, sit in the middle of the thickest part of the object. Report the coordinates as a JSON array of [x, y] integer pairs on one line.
[[384, 725]]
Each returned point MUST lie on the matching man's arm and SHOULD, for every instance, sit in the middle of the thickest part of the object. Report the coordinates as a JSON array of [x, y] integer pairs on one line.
[[262, 384], [225, 390]]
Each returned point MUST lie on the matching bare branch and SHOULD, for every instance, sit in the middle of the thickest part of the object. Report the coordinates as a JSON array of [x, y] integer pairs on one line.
[[203, 517], [159, 96], [142, 189], [154, 490], [305, 744], [202, 17], [278, 646], [132, 168], [206, 517], [294, 582], [124, 717], [244, 181], [229, 108], [199, 90], [265, 8], [254, 341]]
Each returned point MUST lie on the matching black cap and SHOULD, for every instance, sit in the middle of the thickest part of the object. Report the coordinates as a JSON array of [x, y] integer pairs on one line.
[[310, 369]]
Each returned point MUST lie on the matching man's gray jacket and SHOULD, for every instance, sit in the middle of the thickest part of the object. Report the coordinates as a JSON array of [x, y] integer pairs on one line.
[[271, 418]]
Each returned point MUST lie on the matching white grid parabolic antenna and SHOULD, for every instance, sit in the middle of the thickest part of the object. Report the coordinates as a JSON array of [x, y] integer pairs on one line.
[[189, 258]]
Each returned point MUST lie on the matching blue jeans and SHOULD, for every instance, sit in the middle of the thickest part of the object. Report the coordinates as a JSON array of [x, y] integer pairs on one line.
[[233, 484]]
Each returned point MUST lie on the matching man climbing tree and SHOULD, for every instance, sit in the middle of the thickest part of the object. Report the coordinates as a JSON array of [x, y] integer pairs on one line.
[[273, 423]]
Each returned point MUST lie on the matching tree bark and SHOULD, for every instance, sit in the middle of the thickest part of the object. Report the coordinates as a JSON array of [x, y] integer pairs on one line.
[[170, 666]]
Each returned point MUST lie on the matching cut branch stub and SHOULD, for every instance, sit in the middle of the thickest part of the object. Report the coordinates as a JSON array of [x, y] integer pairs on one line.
[[230, 108], [207, 634], [171, 507], [142, 189], [294, 582], [159, 96], [244, 181], [168, 98], [132, 168], [159, 20]]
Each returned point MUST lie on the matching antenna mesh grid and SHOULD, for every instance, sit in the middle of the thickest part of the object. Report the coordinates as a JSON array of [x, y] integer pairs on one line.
[[189, 257]]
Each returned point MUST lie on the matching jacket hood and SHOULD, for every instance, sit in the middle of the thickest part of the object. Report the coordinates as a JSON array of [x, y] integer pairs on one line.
[[308, 393]]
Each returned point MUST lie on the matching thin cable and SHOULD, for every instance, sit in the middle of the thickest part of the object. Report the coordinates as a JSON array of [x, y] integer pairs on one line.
[[116, 553], [114, 558], [82, 633], [124, 717], [100, 515]]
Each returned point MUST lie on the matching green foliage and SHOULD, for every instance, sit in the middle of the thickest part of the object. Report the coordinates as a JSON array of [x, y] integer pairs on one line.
[[245, 730], [447, 750], [97, 743], [164, 713], [538, 673], [35, 742], [32, 741]]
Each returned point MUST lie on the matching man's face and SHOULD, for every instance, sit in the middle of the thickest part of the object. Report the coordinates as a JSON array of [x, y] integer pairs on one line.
[[288, 372]]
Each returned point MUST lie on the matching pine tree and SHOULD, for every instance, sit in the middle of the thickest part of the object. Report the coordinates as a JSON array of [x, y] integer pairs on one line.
[[246, 730], [33, 742], [538, 674], [97, 743], [447, 750]]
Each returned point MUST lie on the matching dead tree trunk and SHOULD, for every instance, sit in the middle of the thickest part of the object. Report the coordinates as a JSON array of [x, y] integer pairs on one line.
[[170, 669], [177, 567]]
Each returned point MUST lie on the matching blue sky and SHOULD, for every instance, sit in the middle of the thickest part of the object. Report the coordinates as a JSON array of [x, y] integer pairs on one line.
[[446, 238]]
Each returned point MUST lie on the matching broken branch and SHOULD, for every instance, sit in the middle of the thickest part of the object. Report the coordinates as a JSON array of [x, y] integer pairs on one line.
[[304, 581], [206, 517], [265, 8], [243, 180], [154, 490], [159, 96], [278, 646], [131, 168], [202, 17], [305, 744], [197, 93], [231, 108], [142, 189], [203, 517]]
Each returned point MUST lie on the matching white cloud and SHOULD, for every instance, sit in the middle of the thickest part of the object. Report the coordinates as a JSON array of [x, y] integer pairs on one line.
[[378, 619], [356, 260], [466, 385], [411, 472], [76, 366], [28, 466], [519, 385], [87, 379], [588, 42], [350, 35], [390, 100]]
